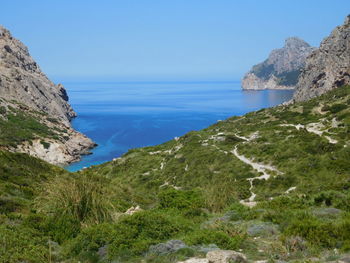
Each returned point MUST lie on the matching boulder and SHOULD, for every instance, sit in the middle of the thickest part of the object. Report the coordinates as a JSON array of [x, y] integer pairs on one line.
[[225, 256], [327, 212], [262, 229], [168, 247], [195, 260], [344, 259]]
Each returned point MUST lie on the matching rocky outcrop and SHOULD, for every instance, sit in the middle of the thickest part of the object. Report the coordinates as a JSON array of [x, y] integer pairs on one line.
[[59, 152], [23, 86], [22, 80], [219, 256], [281, 69], [60, 144], [327, 67]]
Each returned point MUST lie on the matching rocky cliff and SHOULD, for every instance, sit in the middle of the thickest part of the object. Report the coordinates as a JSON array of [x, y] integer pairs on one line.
[[281, 69], [28, 96], [327, 67], [22, 80]]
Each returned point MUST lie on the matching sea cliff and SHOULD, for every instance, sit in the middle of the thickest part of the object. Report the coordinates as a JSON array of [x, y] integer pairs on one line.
[[26, 91], [281, 69]]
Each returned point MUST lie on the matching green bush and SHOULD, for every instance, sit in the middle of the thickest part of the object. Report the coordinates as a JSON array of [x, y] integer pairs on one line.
[[335, 108], [213, 236], [45, 144], [19, 244], [333, 198], [135, 234], [82, 198], [180, 199], [2, 110], [321, 233], [90, 240]]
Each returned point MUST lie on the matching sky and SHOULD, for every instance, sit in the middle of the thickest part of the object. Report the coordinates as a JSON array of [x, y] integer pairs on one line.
[[163, 39]]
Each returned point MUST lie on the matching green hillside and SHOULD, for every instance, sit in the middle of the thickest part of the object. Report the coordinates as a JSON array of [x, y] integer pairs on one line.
[[273, 184]]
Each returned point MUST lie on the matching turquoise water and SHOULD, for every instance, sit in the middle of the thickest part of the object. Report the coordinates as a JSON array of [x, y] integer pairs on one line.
[[119, 116]]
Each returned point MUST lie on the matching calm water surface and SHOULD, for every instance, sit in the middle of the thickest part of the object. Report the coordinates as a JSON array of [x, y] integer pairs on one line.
[[119, 116]]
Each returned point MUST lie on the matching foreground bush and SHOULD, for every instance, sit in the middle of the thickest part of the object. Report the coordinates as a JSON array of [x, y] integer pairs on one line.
[[83, 198], [130, 236]]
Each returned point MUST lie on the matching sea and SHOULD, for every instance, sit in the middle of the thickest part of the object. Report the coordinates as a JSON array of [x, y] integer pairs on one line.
[[120, 116]]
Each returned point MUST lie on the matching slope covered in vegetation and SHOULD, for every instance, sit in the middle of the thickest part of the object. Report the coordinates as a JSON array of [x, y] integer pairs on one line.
[[273, 184]]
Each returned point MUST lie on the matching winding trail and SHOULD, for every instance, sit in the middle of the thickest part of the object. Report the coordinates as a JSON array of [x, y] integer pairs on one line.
[[313, 128], [260, 168]]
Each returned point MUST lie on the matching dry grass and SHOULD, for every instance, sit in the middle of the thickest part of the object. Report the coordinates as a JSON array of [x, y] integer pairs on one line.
[[85, 198]]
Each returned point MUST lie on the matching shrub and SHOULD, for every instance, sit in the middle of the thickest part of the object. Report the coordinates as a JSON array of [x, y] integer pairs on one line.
[[320, 233], [90, 240], [179, 199], [83, 198], [2, 110], [337, 107], [22, 245], [213, 236], [135, 234], [333, 198], [45, 144]]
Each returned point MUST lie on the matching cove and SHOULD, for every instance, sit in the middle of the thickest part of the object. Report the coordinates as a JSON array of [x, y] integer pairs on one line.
[[120, 116]]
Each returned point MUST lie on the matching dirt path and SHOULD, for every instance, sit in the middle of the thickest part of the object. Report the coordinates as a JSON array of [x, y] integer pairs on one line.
[[312, 128], [259, 167]]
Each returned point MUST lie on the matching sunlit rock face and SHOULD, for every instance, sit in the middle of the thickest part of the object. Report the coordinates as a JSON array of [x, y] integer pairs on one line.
[[281, 69], [328, 67], [26, 89], [22, 80]]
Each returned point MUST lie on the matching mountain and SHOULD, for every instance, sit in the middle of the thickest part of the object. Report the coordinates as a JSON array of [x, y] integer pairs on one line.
[[328, 67], [34, 109], [22, 80], [281, 69], [273, 184]]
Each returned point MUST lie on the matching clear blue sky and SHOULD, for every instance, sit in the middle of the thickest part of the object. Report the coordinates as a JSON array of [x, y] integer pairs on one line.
[[163, 39]]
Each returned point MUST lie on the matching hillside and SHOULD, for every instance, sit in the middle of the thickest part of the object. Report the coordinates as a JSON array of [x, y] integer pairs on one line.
[[281, 69], [269, 186], [272, 184]]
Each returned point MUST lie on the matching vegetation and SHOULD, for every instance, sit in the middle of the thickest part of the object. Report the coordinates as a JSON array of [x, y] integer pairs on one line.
[[19, 124], [192, 189], [265, 71]]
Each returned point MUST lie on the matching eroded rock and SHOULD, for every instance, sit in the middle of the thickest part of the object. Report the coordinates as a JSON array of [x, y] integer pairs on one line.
[[328, 67]]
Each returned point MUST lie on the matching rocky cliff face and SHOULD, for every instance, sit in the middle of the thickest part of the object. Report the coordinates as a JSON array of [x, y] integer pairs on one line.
[[25, 89], [327, 67], [281, 69], [22, 80]]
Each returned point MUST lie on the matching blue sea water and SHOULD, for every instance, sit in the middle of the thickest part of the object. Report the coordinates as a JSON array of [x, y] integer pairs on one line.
[[119, 116]]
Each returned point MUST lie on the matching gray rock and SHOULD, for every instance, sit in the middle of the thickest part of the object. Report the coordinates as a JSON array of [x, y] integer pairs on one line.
[[102, 252], [262, 229], [168, 247], [327, 67], [295, 244], [281, 69], [344, 259], [195, 260], [225, 256], [205, 248], [327, 212]]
